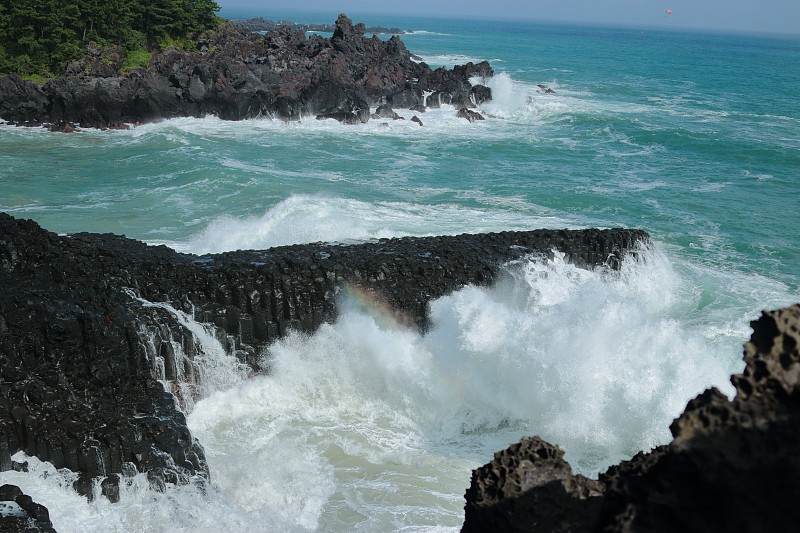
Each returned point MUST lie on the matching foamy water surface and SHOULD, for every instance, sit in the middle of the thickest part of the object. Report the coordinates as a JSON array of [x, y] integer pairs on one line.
[[368, 426]]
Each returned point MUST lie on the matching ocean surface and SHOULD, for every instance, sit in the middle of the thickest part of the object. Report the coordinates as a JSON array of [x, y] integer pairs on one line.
[[366, 426]]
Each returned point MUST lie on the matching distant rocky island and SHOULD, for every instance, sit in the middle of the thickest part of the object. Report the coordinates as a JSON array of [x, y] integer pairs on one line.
[[260, 24]]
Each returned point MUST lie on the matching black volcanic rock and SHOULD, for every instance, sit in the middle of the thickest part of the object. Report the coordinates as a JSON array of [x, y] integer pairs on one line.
[[386, 111], [21, 101], [480, 94], [18, 512], [238, 75], [84, 356], [469, 114], [530, 483], [731, 466]]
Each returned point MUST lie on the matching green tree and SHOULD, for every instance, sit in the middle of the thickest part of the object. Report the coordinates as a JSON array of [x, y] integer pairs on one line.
[[40, 36]]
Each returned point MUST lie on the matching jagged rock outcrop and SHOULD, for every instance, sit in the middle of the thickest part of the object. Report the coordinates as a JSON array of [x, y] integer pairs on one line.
[[22, 101], [86, 339], [731, 466], [530, 484], [77, 385], [238, 75], [468, 114]]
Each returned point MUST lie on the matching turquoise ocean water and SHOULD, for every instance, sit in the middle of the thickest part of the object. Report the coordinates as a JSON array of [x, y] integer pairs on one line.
[[693, 137]]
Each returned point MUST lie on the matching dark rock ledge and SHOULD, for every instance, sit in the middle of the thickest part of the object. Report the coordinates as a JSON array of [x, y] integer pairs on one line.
[[83, 359], [238, 75], [732, 466]]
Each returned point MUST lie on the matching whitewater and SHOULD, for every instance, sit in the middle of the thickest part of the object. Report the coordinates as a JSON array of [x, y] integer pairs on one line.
[[367, 425]]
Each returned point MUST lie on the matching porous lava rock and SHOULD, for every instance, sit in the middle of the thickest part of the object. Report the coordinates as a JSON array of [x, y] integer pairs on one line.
[[530, 485], [732, 464]]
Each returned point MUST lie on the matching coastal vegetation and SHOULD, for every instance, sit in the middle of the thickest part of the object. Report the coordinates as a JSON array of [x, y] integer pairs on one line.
[[38, 38]]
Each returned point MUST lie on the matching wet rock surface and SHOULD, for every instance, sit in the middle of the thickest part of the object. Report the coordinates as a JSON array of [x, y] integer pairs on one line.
[[19, 513], [84, 351], [469, 115], [238, 75], [731, 466]]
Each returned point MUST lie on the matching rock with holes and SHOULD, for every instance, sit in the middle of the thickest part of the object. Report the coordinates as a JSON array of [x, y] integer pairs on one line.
[[732, 464], [18, 512], [528, 486]]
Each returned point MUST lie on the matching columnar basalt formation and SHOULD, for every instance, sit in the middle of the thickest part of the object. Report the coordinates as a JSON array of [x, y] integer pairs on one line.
[[731, 466], [82, 347], [238, 75]]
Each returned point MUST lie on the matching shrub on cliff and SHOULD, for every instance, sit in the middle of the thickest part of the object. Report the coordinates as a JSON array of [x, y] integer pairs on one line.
[[42, 36]]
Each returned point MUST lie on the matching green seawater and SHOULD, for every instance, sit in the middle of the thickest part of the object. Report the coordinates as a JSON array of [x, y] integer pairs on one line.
[[692, 137]]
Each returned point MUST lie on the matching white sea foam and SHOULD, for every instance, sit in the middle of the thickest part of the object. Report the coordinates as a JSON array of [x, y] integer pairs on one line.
[[524, 101], [307, 218], [366, 426], [184, 509], [448, 60], [758, 176], [426, 32], [182, 132], [215, 368], [595, 361]]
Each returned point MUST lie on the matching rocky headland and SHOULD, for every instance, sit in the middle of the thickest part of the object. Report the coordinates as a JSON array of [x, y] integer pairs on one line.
[[732, 465], [236, 74], [96, 364]]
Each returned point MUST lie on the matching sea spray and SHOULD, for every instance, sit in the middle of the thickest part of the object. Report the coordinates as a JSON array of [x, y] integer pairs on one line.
[[179, 509], [369, 426], [317, 218], [210, 368], [695, 156], [597, 361]]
